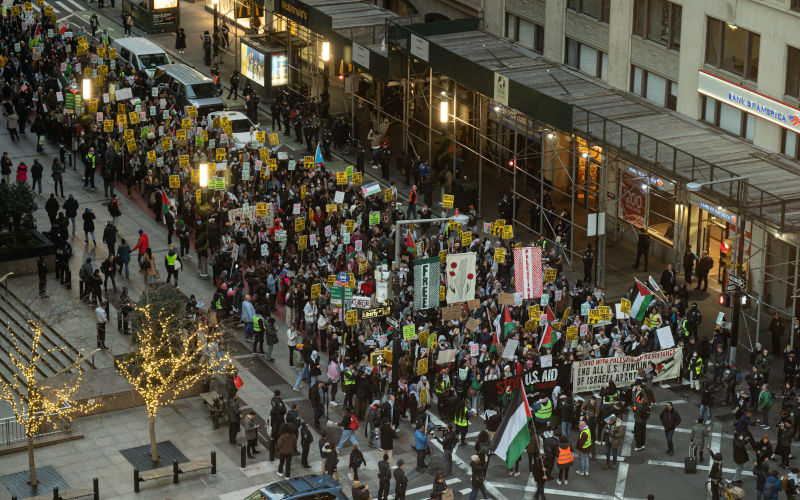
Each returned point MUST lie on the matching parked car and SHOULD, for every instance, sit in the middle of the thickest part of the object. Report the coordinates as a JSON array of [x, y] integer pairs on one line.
[[311, 487]]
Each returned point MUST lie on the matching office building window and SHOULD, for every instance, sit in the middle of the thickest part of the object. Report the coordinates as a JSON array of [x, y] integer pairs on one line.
[[728, 118], [732, 48], [790, 144], [598, 9], [795, 5], [793, 72], [529, 34], [586, 58], [654, 88], [658, 21]]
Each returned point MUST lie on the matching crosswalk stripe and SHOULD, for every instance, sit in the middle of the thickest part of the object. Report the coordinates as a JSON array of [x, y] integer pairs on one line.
[[678, 465], [76, 4], [427, 487], [63, 6]]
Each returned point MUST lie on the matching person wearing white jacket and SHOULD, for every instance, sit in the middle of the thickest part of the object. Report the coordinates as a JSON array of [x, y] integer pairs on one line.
[[291, 341]]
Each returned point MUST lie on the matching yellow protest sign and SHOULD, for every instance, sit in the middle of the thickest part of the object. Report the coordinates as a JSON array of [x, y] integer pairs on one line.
[[362, 267], [447, 201], [508, 232], [349, 224], [387, 195], [183, 161], [108, 125], [131, 144], [261, 136], [605, 313], [128, 134], [273, 164], [180, 135], [625, 306], [331, 280], [549, 275], [299, 224], [500, 255], [351, 318], [441, 293], [151, 156], [315, 290], [112, 53], [422, 366], [330, 207], [133, 117], [166, 143], [594, 317], [443, 256], [302, 242], [572, 333], [221, 153], [174, 181], [357, 178], [466, 238], [273, 139], [191, 111], [308, 162], [102, 70], [198, 194], [534, 312], [341, 178], [302, 191]]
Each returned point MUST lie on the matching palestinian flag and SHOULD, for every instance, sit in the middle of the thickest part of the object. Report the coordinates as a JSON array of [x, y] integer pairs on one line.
[[410, 246], [549, 337], [164, 202], [641, 302], [503, 324], [513, 436], [549, 314], [496, 341]]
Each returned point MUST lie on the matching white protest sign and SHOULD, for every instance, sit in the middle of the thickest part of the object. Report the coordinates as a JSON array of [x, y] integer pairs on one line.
[[510, 348], [665, 339]]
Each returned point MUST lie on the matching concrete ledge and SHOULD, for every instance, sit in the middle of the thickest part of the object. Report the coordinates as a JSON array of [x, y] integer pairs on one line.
[[52, 439]]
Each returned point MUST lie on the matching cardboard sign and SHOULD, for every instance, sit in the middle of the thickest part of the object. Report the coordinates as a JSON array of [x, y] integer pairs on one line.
[[357, 178], [473, 324], [302, 242], [625, 306], [534, 311], [549, 275], [451, 313], [387, 195], [665, 339], [506, 299], [308, 162], [424, 337]]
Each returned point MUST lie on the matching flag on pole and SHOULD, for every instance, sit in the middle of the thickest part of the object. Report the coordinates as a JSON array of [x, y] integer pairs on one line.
[[410, 246], [549, 315], [426, 283], [164, 202], [503, 324], [318, 159], [528, 271], [513, 436], [642, 301], [549, 337]]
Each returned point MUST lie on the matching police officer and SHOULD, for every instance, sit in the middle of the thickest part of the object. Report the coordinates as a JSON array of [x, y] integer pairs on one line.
[[258, 332], [88, 172], [693, 319], [384, 478], [448, 445]]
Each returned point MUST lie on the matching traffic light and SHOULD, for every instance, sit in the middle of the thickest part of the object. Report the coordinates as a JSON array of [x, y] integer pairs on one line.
[[725, 299]]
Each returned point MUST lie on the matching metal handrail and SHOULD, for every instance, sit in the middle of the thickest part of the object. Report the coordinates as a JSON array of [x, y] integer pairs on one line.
[[12, 431]]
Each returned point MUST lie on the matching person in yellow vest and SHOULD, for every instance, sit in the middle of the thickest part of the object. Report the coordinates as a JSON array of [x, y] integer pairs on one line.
[[461, 419], [349, 381], [695, 370], [542, 411], [564, 459], [88, 172], [173, 264], [654, 321], [584, 447]]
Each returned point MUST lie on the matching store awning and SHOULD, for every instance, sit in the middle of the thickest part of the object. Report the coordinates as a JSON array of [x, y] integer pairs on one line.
[[665, 142]]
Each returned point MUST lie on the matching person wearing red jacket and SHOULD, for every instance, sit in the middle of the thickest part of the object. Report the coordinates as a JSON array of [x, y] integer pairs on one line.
[[142, 245]]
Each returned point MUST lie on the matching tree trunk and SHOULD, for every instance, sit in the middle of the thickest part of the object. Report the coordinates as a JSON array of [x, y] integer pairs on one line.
[[31, 464], [153, 446]]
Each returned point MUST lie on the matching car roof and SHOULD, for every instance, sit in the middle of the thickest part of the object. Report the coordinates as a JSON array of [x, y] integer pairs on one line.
[[303, 484], [139, 45], [184, 73], [232, 115]]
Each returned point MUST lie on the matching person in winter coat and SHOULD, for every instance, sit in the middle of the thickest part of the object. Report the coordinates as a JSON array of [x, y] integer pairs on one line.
[[614, 435], [764, 405], [331, 461], [180, 40], [564, 459], [285, 446], [251, 433], [387, 439], [71, 210], [110, 237], [22, 173], [51, 207], [697, 438], [772, 486], [142, 245], [306, 438], [356, 461], [172, 262], [540, 476], [740, 456], [123, 257], [584, 447], [400, 481], [761, 472], [763, 449], [88, 226], [148, 268], [439, 486], [670, 419]]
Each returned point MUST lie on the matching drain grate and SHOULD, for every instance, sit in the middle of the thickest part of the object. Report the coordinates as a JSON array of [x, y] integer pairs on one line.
[[49, 478], [139, 457]]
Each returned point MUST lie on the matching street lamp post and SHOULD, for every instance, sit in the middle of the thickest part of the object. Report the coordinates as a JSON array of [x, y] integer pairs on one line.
[[736, 306], [461, 219]]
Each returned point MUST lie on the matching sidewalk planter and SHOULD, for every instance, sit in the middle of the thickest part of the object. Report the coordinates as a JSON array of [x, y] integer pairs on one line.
[[21, 259], [154, 16]]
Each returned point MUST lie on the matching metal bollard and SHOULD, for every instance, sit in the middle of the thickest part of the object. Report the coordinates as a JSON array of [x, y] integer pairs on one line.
[[136, 480], [55, 492], [244, 456], [175, 472], [213, 462], [96, 489]]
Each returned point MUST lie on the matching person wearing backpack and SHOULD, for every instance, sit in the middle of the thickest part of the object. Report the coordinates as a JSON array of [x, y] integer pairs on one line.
[[356, 461], [772, 486], [349, 425], [790, 483]]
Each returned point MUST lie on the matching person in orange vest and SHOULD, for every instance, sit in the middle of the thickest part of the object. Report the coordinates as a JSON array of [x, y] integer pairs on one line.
[[564, 459], [411, 213]]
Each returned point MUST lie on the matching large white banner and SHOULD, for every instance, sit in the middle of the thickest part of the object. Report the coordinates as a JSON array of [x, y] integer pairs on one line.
[[594, 374], [461, 275]]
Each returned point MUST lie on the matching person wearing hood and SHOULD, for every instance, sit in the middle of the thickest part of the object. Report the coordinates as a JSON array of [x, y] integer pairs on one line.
[[172, 262], [761, 472], [772, 486], [123, 257], [550, 446], [88, 226], [615, 433], [565, 459], [142, 245], [715, 473]]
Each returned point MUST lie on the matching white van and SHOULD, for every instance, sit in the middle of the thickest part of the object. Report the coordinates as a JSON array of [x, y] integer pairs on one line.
[[141, 53]]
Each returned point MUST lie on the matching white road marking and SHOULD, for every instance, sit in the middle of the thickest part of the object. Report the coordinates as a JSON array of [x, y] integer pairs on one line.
[[679, 465], [687, 431], [76, 4], [565, 493], [63, 5], [622, 469], [427, 487]]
